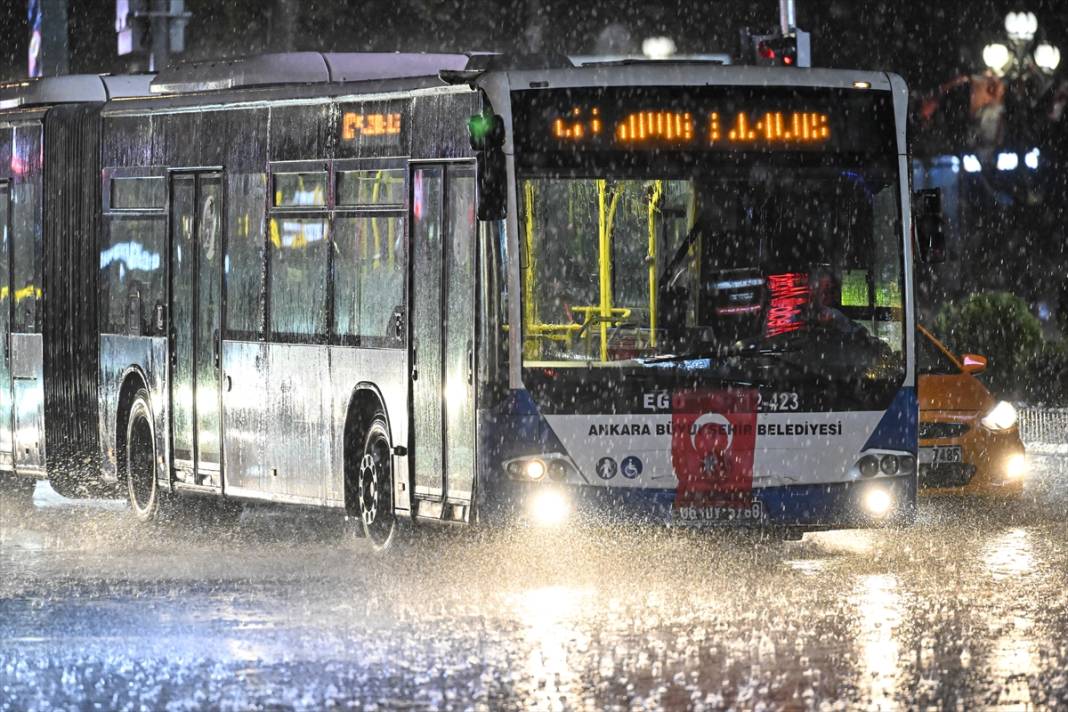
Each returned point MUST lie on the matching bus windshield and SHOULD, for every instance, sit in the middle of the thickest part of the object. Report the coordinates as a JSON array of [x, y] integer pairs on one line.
[[714, 259]]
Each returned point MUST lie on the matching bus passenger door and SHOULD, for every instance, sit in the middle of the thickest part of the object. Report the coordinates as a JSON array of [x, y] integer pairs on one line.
[[442, 340], [196, 257]]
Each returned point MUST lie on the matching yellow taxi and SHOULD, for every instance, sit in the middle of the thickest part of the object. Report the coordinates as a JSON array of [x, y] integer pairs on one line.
[[969, 441]]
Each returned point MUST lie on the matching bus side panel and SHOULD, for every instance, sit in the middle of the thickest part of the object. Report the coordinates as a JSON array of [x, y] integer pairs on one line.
[[245, 411], [70, 299], [27, 380], [297, 420], [122, 356], [387, 369]]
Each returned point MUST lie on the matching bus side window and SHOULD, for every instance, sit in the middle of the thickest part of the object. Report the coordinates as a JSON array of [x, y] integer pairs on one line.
[[244, 259], [298, 275], [369, 272]]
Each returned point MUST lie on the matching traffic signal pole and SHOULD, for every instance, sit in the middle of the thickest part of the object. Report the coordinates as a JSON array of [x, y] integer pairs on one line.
[[154, 29], [160, 53], [49, 47], [787, 17], [786, 47]]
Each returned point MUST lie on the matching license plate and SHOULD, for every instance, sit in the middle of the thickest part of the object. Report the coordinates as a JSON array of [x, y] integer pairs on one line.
[[940, 455], [733, 513]]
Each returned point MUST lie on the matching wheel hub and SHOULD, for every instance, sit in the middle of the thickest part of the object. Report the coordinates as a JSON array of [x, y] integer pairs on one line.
[[369, 488]]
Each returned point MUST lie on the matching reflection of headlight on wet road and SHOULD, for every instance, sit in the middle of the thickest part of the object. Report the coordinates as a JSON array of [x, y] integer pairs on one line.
[[549, 507], [877, 501], [1016, 466]]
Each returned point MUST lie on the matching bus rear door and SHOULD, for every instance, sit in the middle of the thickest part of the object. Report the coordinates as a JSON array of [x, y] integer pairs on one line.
[[196, 259]]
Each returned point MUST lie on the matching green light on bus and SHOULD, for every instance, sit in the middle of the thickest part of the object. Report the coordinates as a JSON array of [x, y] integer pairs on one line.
[[479, 127], [485, 131]]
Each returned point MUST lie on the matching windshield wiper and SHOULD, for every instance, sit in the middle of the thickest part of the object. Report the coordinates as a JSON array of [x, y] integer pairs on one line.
[[723, 357]]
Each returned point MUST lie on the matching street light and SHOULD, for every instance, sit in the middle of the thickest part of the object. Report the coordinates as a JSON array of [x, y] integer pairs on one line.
[[997, 57], [1047, 57], [1020, 55], [1021, 26]]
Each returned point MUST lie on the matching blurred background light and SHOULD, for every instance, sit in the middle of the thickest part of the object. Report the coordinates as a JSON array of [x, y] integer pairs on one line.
[[996, 56], [1031, 159], [1047, 57], [658, 47], [1008, 161]]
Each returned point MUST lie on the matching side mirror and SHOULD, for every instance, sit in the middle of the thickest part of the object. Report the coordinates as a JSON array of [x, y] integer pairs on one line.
[[973, 363], [929, 224]]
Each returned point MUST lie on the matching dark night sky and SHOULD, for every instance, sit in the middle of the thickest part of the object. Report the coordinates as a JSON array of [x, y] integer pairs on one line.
[[927, 42]]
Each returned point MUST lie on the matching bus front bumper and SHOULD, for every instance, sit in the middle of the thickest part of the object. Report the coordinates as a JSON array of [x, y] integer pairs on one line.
[[882, 501]]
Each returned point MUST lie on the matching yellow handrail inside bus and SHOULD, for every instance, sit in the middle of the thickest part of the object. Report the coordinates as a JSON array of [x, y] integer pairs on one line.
[[654, 206], [377, 257], [604, 314], [532, 347], [27, 292], [605, 216]]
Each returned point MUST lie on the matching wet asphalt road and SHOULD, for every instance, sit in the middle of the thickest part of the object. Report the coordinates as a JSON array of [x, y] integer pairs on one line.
[[967, 609]]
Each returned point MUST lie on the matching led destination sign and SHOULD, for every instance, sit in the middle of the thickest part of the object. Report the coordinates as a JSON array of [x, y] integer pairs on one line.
[[651, 127], [722, 118], [354, 125]]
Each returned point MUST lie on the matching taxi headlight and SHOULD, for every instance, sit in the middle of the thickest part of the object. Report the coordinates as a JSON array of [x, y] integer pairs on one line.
[[1001, 417]]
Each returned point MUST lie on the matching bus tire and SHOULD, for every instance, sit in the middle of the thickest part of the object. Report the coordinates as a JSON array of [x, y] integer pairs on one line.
[[142, 486], [374, 485]]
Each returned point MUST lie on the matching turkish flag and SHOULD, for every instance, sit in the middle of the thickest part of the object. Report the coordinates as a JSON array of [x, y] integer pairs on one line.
[[713, 434]]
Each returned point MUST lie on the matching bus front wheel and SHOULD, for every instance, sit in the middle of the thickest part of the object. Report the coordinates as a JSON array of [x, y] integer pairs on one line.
[[141, 483], [375, 486]]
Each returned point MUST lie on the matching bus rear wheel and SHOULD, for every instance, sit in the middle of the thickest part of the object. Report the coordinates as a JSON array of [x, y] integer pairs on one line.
[[142, 486], [374, 486]]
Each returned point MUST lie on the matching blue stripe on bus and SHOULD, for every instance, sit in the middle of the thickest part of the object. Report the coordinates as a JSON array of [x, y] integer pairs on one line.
[[898, 429]]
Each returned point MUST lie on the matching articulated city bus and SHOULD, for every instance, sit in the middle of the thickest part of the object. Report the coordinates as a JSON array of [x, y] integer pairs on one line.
[[434, 288]]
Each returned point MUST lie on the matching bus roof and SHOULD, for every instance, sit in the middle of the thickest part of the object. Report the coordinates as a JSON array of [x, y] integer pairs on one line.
[[302, 68], [678, 73], [73, 88], [338, 68]]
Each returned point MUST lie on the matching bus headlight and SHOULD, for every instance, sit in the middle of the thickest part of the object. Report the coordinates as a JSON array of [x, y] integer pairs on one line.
[[868, 466], [877, 501], [549, 508], [1001, 417], [1016, 466], [534, 469]]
